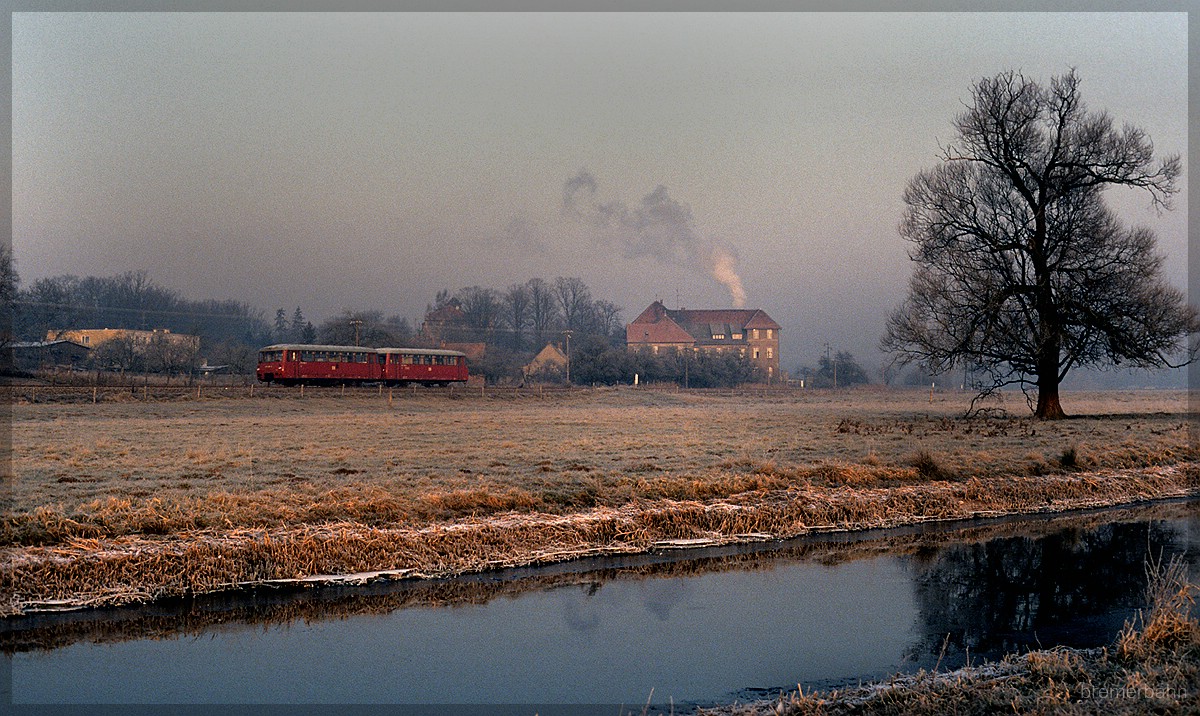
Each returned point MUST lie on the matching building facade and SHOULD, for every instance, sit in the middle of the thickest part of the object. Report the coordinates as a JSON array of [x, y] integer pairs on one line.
[[751, 332], [94, 337]]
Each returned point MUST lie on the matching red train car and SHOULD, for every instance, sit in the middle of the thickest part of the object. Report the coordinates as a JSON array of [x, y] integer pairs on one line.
[[422, 365], [294, 363]]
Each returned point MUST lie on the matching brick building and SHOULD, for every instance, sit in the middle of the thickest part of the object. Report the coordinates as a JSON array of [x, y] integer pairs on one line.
[[749, 331]]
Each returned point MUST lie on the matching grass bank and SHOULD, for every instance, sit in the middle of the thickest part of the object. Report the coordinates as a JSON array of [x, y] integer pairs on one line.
[[113, 503]]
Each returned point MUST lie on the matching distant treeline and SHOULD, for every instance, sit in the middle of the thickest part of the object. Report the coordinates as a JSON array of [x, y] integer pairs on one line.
[[130, 300], [512, 324]]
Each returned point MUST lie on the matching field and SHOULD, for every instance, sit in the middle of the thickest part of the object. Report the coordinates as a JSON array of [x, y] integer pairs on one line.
[[127, 500]]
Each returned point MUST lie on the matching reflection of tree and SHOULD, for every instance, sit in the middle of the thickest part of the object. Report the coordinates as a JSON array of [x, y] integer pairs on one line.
[[997, 597]]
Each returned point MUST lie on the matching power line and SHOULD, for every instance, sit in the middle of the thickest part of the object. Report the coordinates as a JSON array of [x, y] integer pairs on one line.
[[78, 308]]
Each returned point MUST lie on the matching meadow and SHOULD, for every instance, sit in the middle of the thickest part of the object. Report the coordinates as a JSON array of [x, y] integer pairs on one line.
[[130, 500]]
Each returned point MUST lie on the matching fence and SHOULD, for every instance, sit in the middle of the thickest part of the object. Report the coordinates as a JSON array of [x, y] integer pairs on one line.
[[143, 391]]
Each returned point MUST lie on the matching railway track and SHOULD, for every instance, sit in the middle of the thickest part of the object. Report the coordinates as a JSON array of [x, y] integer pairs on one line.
[[33, 392]]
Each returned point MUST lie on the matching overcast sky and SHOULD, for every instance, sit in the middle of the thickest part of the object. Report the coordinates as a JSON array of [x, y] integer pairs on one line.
[[365, 161]]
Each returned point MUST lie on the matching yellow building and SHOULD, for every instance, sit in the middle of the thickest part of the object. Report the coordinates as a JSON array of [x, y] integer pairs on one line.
[[551, 362], [94, 337]]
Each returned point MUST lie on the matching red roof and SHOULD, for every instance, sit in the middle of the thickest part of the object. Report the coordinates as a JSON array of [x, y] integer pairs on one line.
[[658, 324], [663, 330]]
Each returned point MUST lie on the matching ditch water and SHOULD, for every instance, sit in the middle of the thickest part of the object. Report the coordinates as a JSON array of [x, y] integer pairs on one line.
[[677, 629]]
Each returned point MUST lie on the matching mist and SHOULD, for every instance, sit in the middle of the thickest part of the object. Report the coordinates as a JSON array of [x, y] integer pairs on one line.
[[367, 161]]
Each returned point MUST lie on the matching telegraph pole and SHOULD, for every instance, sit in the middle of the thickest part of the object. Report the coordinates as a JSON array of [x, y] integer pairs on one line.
[[833, 363], [357, 324], [567, 333]]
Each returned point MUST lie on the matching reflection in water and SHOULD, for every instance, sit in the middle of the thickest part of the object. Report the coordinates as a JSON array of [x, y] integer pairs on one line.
[[1074, 587], [816, 610]]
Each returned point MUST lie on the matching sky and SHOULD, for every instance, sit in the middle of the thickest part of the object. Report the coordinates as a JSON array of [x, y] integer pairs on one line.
[[366, 161]]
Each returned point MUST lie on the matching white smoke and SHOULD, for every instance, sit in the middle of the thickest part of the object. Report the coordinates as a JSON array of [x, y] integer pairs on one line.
[[723, 268], [659, 227]]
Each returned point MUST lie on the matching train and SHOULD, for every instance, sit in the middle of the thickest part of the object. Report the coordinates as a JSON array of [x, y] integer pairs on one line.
[[299, 363]]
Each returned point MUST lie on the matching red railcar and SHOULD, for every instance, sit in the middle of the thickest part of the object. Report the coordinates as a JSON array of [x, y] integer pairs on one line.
[[294, 363], [422, 365]]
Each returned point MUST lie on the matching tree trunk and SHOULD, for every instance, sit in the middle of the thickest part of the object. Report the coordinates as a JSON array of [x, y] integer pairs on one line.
[[1048, 407]]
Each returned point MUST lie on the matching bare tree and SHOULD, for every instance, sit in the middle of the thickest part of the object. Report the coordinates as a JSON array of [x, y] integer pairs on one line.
[[368, 328], [124, 354], [9, 282], [1023, 272], [607, 317], [165, 355], [543, 311], [481, 309], [516, 312], [574, 298]]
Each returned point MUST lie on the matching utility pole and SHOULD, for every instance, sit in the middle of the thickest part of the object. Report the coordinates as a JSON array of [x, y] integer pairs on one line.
[[357, 323], [833, 363], [567, 333]]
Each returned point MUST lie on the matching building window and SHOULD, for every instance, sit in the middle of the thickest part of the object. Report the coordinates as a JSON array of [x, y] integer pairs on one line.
[[769, 332], [736, 336], [755, 335], [718, 336], [770, 353], [755, 354]]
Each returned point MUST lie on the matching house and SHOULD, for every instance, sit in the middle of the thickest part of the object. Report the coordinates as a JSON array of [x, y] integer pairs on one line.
[[95, 337], [550, 364], [749, 331], [40, 355]]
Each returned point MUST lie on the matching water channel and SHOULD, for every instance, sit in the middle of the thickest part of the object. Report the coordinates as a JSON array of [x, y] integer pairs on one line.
[[676, 628]]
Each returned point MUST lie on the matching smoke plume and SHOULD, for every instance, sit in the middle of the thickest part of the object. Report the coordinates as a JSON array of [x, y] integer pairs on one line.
[[659, 227], [724, 270]]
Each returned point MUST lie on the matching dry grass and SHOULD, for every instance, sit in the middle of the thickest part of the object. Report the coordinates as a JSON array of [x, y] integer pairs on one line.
[[200, 615], [1153, 667], [135, 500]]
